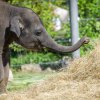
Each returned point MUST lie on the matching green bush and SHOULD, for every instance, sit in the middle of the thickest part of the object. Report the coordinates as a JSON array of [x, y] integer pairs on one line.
[[30, 57], [89, 14]]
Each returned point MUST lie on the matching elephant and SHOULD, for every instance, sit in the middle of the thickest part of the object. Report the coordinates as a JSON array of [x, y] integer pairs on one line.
[[23, 26]]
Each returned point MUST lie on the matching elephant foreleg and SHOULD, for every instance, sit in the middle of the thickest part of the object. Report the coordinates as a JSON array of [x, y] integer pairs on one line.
[[2, 41], [6, 61], [2, 82]]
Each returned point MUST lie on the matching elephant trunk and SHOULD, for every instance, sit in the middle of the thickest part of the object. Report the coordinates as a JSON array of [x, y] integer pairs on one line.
[[52, 45]]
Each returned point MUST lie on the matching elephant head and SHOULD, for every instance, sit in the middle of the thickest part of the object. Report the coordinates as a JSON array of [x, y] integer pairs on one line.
[[31, 33]]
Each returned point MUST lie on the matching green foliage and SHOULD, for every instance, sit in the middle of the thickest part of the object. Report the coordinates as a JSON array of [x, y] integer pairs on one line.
[[16, 47], [30, 57], [88, 28], [89, 14], [89, 23], [89, 8]]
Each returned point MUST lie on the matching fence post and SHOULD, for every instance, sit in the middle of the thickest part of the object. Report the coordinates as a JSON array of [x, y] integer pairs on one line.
[[74, 25]]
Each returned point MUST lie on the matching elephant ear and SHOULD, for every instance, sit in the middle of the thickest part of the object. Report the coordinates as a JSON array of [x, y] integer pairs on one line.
[[16, 25]]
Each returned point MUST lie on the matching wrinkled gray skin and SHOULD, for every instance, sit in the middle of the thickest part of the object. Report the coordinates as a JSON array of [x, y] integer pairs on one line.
[[24, 27]]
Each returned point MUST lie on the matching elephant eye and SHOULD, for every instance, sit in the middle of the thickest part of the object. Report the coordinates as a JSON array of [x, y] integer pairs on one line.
[[38, 33]]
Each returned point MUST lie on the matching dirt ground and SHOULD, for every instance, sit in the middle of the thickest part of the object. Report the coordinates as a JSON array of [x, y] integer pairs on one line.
[[81, 81]]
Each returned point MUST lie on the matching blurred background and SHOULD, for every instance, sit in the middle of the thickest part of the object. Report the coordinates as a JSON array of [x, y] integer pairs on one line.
[[55, 17]]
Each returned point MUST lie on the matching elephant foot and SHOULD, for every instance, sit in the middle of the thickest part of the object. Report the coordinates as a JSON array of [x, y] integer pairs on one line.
[[2, 88], [3, 91], [3, 94]]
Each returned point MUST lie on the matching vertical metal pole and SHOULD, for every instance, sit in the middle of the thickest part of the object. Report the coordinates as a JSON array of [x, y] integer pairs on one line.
[[74, 25]]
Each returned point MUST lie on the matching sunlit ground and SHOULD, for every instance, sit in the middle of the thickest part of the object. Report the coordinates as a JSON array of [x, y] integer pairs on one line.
[[24, 79]]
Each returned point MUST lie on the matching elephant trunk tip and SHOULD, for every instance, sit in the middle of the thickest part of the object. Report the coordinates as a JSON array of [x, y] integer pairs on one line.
[[86, 40]]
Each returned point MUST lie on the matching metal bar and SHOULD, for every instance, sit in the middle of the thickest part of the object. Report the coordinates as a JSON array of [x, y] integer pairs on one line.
[[74, 25]]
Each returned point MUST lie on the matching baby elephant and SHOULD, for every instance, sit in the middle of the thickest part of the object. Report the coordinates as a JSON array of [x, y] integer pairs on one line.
[[23, 26]]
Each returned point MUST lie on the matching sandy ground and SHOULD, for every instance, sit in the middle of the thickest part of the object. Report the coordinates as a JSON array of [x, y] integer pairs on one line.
[[81, 81]]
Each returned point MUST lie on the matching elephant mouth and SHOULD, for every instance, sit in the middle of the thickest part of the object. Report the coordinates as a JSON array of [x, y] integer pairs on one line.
[[33, 46]]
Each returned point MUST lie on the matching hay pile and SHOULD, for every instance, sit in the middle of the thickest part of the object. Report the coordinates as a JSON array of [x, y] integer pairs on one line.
[[81, 81]]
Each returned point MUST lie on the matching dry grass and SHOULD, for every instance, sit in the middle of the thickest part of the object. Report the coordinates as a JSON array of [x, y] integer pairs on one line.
[[81, 81]]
